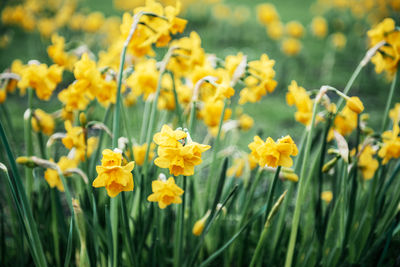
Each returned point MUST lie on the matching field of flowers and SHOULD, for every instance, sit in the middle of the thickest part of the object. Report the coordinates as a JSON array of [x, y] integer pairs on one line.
[[199, 133]]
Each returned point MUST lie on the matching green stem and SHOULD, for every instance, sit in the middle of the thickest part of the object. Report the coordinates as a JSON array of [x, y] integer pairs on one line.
[[272, 190], [215, 150], [177, 106], [388, 103], [300, 194], [29, 143], [22, 203], [250, 195], [54, 226], [181, 225]]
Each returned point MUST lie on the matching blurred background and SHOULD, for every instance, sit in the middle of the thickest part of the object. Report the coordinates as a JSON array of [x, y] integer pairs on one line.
[[314, 42]]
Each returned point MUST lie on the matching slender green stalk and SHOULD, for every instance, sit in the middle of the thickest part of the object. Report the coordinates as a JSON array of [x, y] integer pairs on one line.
[[22, 202], [300, 193], [388, 103], [178, 108], [357, 71], [215, 150], [181, 226], [146, 113], [28, 142], [257, 253], [249, 198], [271, 191], [54, 226], [154, 108]]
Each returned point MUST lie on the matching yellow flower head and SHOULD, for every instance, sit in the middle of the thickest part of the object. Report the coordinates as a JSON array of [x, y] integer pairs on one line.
[[267, 14], [319, 27], [41, 121], [3, 95], [345, 122], [176, 152], [237, 167], [52, 177], [165, 193], [144, 79], [245, 122], [74, 137], [198, 226], [273, 154], [169, 138], [57, 52], [291, 46], [41, 78], [211, 113], [295, 29], [367, 163], [391, 145], [354, 103], [327, 196], [394, 113], [338, 40], [298, 96], [139, 153], [260, 81], [111, 175], [275, 30]]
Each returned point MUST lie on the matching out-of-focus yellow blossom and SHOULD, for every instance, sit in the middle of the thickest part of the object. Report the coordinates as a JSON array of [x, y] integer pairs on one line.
[[144, 80], [87, 76], [275, 30], [295, 29], [319, 27], [52, 177], [391, 144], [221, 11], [77, 21], [19, 15], [130, 99], [260, 81], [344, 123], [111, 175], [3, 95], [4, 40], [93, 22], [73, 98], [188, 55], [267, 13], [298, 96], [155, 30], [139, 152], [46, 27], [57, 52], [237, 167], [107, 92], [92, 144], [273, 154], [75, 136], [165, 193], [199, 225], [394, 113], [367, 163], [327, 196], [338, 40], [168, 137], [354, 103], [388, 56], [41, 78], [176, 152], [291, 46], [245, 122], [253, 161], [211, 114], [42, 122]]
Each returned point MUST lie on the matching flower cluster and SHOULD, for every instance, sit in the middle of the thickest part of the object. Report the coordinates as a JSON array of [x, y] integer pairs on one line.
[[177, 152], [273, 154], [165, 192], [388, 56], [111, 175]]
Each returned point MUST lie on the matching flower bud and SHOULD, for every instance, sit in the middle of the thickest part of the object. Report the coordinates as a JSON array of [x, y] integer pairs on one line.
[[355, 104]]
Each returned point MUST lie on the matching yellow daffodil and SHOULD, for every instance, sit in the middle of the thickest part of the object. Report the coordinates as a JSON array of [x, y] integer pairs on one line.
[[298, 96], [273, 154], [319, 27], [295, 29], [139, 153], [267, 13], [327, 196], [354, 103], [291, 46], [42, 122], [52, 177], [367, 163], [111, 175], [165, 193], [391, 145]]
